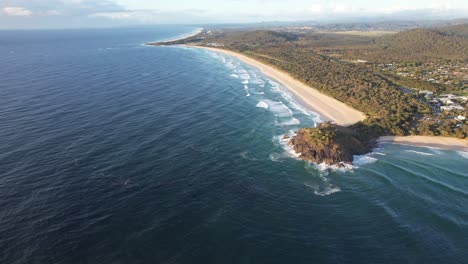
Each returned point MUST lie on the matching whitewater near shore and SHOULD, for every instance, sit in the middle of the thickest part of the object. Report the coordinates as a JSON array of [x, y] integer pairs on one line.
[[327, 107], [333, 110]]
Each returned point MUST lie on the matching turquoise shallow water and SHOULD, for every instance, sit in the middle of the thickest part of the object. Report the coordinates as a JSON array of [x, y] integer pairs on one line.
[[113, 152]]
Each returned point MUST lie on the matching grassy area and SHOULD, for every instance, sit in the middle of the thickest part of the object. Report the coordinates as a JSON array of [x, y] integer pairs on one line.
[[364, 33]]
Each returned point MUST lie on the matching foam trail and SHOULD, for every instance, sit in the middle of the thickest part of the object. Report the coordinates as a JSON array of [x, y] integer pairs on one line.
[[363, 160], [279, 109], [323, 167], [420, 153], [327, 190], [291, 122], [464, 154], [246, 88]]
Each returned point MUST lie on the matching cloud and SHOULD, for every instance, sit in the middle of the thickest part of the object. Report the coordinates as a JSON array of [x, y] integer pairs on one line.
[[62, 7], [53, 12], [334, 10], [17, 11], [155, 16]]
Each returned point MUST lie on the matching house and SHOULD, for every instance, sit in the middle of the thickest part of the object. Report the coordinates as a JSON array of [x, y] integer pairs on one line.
[[447, 96], [427, 94], [452, 107], [446, 108], [446, 101], [460, 118]]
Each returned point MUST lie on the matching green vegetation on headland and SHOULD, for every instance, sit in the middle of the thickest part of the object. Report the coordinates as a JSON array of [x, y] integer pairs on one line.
[[329, 144], [380, 76]]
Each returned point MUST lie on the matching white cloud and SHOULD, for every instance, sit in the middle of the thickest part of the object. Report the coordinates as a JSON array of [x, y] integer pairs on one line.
[[17, 11], [334, 9], [53, 12]]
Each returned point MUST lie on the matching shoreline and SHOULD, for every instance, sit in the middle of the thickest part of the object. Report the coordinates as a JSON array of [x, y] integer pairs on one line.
[[188, 35], [314, 100], [427, 141], [337, 111], [334, 110]]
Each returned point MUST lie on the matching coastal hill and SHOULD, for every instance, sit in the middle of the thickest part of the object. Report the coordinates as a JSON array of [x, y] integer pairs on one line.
[[423, 44]]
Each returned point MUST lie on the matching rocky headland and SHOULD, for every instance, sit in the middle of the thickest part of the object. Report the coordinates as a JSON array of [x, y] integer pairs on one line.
[[329, 144]]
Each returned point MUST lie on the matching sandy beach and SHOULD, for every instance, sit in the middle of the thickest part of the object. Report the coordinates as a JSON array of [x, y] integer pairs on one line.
[[326, 106], [191, 34], [336, 111], [427, 141]]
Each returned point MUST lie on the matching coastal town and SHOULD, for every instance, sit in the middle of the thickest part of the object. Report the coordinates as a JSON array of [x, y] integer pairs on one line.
[[452, 106], [452, 75]]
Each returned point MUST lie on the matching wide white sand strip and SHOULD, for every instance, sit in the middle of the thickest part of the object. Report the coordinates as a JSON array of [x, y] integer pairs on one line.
[[427, 141], [326, 106]]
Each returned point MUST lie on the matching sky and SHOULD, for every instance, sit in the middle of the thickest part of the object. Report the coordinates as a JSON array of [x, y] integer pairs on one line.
[[106, 13]]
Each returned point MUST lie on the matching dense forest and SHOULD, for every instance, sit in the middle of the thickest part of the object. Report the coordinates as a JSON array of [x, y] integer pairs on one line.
[[318, 60], [421, 45]]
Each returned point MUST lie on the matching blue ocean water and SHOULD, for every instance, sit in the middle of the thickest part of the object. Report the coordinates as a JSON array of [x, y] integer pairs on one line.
[[115, 152]]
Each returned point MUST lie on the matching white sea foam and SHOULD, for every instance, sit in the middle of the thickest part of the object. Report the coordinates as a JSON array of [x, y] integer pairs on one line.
[[275, 156], [283, 141], [234, 76], [247, 155], [246, 88], [328, 191], [324, 191], [363, 160], [420, 153], [464, 154], [291, 122], [257, 81], [277, 88], [279, 108], [262, 104], [244, 76], [380, 153], [230, 64], [323, 167]]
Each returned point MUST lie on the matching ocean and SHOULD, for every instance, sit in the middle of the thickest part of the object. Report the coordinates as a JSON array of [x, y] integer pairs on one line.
[[116, 152]]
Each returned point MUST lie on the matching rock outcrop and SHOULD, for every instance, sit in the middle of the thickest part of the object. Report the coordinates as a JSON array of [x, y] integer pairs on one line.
[[328, 143]]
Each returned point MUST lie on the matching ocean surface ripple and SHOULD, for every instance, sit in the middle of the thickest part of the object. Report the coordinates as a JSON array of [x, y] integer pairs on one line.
[[113, 152]]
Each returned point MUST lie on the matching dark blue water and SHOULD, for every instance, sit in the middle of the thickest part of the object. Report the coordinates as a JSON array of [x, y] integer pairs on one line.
[[113, 152]]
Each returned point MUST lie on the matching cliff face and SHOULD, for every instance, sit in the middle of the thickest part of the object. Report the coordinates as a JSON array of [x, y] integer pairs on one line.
[[328, 144]]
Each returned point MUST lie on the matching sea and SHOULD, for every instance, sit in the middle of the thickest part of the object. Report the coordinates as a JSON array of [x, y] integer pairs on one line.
[[116, 152]]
